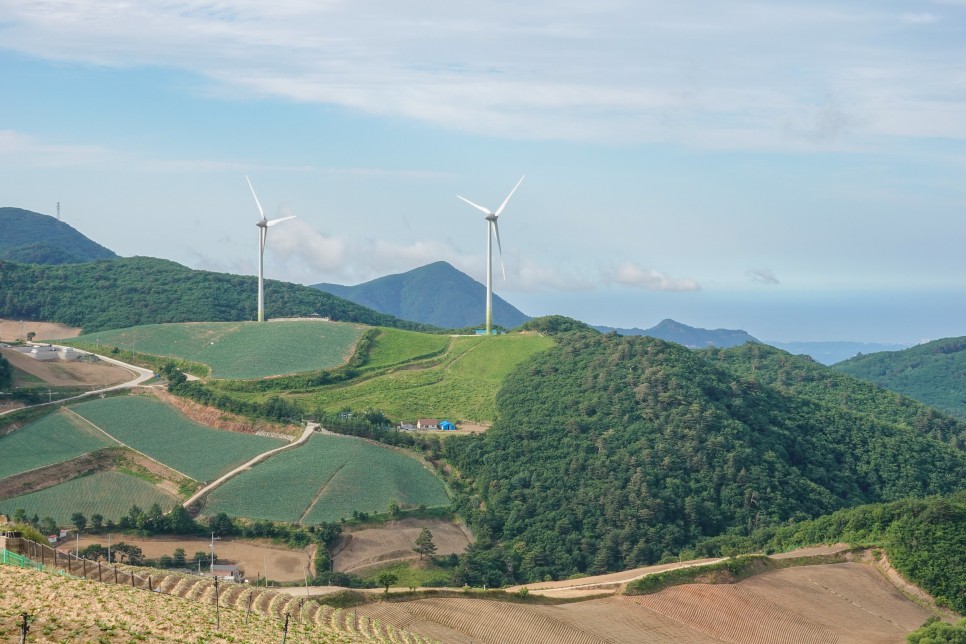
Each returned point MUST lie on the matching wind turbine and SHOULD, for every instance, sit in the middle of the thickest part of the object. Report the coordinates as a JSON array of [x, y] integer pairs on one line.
[[491, 229], [263, 225]]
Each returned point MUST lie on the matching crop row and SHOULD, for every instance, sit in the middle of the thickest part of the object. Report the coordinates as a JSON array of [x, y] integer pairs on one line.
[[166, 435], [110, 494], [52, 439], [338, 474], [240, 350]]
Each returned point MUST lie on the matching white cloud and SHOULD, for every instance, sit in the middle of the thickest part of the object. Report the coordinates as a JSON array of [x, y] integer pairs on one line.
[[618, 71], [628, 274], [29, 151], [920, 18], [763, 276]]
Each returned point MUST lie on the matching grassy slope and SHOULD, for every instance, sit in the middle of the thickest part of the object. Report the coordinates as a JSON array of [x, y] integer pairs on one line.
[[153, 428], [52, 439], [354, 474], [239, 349], [460, 385], [97, 493]]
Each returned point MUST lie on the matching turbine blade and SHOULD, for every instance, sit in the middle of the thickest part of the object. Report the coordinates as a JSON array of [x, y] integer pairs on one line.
[[272, 222], [496, 229], [503, 205], [260, 211], [486, 211]]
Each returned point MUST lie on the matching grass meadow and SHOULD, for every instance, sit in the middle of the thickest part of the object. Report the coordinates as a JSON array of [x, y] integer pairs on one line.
[[239, 350], [109, 493], [460, 385], [151, 427], [395, 346], [52, 439], [326, 480]]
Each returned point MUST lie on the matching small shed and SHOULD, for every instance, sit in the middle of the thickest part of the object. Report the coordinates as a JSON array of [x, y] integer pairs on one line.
[[447, 426], [226, 572], [427, 423]]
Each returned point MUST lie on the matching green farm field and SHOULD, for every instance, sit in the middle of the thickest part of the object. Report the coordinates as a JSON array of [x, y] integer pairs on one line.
[[52, 439], [395, 346], [326, 480], [151, 427], [459, 385], [238, 350], [108, 493]]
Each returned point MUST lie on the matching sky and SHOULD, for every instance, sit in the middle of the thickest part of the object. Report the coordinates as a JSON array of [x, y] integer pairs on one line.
[[796, 169]]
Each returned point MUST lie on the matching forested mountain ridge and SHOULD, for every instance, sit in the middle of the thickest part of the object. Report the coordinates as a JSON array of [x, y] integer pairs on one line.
[[801, 376], [613, 452], [33, 238], [436, 294], [933, 373], [125, 292]]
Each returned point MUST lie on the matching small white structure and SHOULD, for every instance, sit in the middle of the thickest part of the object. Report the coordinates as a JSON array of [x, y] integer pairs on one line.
[[427, 423], [45, 352], [226, 572]]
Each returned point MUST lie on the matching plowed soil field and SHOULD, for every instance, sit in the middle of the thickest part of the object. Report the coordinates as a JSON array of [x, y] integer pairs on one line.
[[395, 541], [59, 373], [849, 602], [253, 557]]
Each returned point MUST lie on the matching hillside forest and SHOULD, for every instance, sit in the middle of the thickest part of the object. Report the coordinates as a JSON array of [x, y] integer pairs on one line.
[[613, 452]]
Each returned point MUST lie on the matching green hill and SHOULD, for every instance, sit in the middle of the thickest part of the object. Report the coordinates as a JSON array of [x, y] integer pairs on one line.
[[33, 238], [126, 292], [933, 373], [613, 452], [240, 349], [436, 294]]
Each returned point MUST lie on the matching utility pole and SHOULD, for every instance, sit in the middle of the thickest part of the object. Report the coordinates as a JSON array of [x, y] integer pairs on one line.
[[213, 539]]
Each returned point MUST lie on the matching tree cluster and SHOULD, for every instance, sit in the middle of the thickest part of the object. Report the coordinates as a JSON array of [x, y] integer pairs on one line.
[[613, 452]]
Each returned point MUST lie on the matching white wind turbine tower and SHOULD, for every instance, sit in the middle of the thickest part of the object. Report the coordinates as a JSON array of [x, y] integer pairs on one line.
[[491, 229], [263, 225]]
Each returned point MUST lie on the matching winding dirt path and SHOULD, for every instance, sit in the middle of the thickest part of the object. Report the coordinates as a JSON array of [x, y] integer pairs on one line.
[[309, 429]]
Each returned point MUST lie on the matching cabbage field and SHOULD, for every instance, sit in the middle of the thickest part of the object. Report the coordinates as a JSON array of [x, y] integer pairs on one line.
[[327, 479], [94, 494], [51, 439], [165, 434], [238, 350]]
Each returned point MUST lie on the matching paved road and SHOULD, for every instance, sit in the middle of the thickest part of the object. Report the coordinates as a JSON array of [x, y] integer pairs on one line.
[[141, 375]]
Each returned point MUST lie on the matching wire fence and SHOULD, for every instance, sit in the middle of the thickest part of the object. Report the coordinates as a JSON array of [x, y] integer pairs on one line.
[[43, 557]]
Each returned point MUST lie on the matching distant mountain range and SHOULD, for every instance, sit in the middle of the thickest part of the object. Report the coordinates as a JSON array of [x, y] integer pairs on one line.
[[33, 238], [689, 336], [829, 353], [436, 294], [933, 373]]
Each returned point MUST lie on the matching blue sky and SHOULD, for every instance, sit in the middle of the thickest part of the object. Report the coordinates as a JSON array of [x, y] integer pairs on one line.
[[796, 169]]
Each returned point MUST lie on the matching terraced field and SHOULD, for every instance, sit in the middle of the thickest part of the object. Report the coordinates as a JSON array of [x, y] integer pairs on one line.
[[847, 602], [98, 493], [461, 384], [325, 480], [239, 350], [181, 610], [163, 433], [52, 439]]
